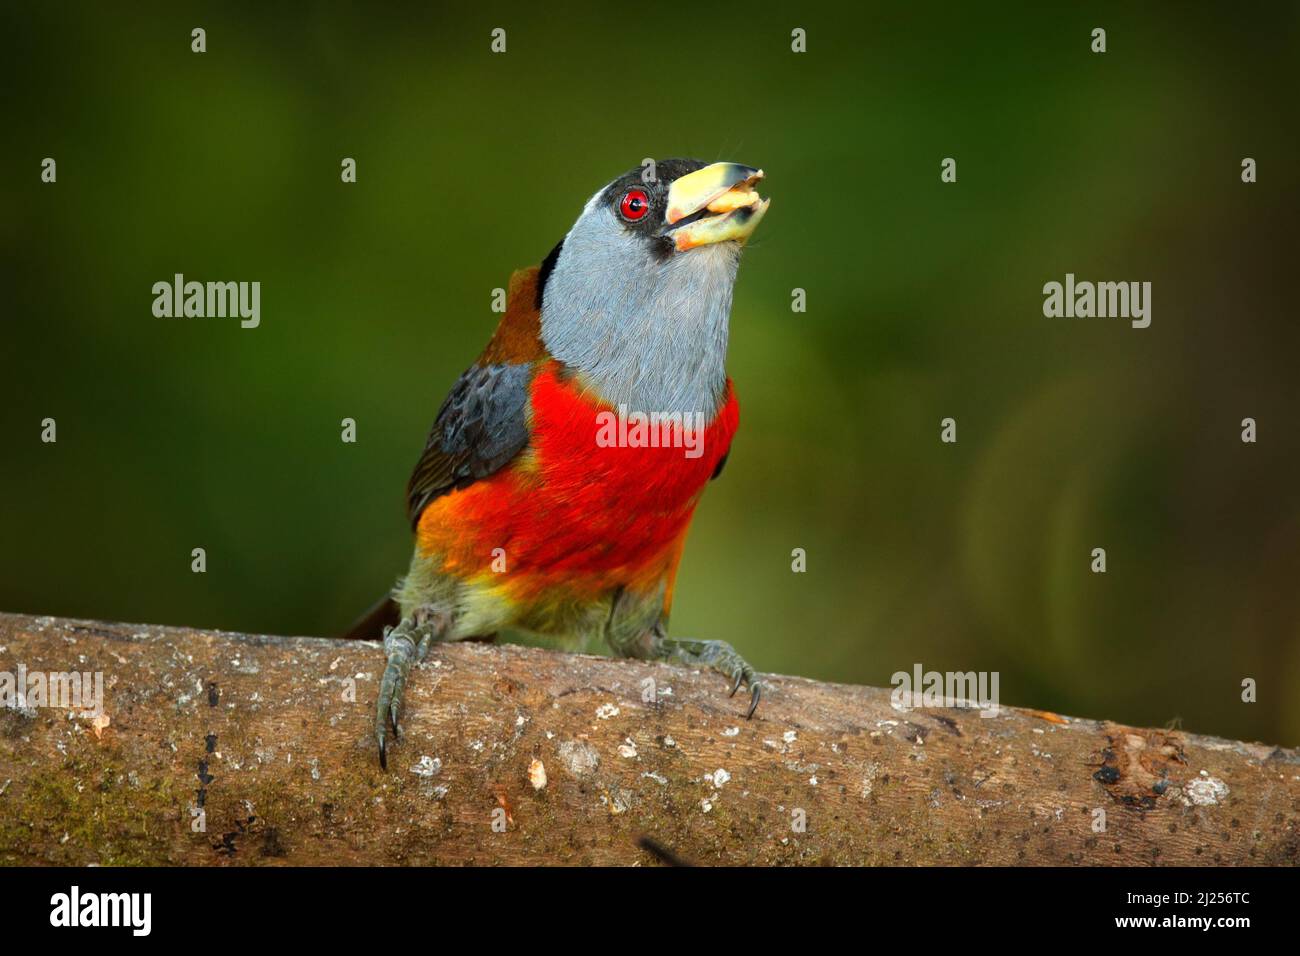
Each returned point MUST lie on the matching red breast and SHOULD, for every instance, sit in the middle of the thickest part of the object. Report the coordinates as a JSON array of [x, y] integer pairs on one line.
[[575, 508]]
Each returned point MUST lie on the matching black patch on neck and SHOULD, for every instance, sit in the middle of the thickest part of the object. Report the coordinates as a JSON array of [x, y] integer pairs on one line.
[[544, 273]]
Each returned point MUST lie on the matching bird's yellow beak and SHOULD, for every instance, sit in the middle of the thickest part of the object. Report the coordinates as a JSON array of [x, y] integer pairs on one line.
[[715, 204]]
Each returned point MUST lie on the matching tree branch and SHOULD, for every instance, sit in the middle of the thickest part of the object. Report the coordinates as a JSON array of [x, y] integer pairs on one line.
[[259, 733]]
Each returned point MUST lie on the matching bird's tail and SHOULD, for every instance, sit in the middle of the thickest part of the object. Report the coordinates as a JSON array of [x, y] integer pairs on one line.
[[370, 626]]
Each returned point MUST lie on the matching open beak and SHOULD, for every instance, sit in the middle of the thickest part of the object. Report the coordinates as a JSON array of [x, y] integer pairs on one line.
[[715, 204]]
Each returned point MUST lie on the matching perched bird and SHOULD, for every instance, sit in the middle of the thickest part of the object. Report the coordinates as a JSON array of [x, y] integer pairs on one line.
[[562, 471]]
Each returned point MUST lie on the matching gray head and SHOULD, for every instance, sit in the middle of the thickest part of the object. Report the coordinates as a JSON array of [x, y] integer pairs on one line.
[[637, 296]]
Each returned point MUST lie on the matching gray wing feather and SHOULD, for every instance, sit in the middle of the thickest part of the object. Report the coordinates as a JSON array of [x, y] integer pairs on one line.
[[481, 426]]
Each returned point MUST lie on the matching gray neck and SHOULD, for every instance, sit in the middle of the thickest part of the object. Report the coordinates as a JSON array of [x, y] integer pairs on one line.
[[646, 332]]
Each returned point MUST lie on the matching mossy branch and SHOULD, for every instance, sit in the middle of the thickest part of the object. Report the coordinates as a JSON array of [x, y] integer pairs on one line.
[[515, 755]]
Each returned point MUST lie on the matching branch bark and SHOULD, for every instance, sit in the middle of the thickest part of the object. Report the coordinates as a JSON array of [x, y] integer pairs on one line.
[[259, 733]]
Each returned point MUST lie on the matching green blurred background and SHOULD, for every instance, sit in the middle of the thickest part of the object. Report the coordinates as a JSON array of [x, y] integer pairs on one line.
[[924, 301]]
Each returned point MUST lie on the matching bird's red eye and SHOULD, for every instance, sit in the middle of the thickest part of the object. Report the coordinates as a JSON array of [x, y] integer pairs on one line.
[[635, 204]]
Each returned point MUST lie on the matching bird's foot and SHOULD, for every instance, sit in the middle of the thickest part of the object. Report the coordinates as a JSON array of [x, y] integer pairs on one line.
[[406, 644], [721, 657]]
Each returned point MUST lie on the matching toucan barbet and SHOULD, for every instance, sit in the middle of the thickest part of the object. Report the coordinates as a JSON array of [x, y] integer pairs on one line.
[[556, 487]]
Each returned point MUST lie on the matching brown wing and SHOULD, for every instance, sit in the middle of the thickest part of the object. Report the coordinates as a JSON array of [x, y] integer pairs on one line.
[[483, 423]]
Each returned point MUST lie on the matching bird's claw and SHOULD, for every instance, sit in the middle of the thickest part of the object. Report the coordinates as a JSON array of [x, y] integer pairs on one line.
[[401, 652], [429, 625], [722, 657]]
